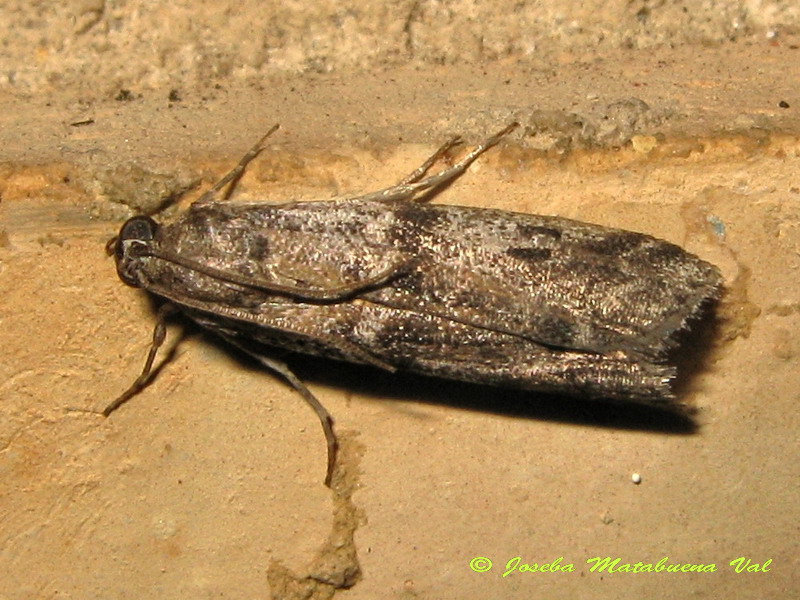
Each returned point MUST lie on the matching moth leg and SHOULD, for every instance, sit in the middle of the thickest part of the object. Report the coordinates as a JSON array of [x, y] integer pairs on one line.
[[236, 173], [325, 418], [420, 171], [409, 190], [159, 335]]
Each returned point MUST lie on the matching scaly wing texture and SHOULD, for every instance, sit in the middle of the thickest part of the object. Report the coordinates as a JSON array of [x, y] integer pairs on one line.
[[561, 283]]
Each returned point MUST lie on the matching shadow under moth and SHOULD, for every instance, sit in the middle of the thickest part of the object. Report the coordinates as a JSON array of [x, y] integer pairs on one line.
[[391, 280]]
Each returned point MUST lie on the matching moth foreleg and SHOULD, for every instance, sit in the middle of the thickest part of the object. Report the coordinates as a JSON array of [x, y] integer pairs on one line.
[[159, 335], [325, 418], [235, 174]]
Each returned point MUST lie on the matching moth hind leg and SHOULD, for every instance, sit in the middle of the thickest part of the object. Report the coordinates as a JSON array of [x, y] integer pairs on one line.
[[448, 175], [325, 418], [411, 186], [420, 171], [236, 173]]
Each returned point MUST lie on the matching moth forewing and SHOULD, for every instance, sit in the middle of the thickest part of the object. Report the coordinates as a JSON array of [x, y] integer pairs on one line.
[[487, 296]]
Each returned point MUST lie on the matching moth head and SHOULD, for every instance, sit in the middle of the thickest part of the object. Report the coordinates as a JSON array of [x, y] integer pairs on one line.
[[133, 242]]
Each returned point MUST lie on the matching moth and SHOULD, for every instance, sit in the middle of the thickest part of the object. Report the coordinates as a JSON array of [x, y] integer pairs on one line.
[[391, 280]]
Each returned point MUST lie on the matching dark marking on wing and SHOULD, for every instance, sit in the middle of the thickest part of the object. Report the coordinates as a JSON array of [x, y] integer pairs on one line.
[[259, 249], [534, 231], [557, 331], [615, 243], [530, 254]]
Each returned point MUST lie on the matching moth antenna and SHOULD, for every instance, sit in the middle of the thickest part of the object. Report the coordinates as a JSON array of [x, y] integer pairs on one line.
[[329, 294]]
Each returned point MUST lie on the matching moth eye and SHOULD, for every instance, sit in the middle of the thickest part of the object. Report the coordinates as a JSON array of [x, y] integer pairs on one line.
[[138, 228], [142, 229], [134, 235]]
